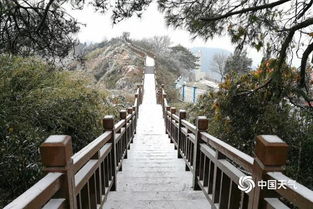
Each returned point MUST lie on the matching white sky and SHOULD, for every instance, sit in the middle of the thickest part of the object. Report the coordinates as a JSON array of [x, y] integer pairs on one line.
[[100, 27]]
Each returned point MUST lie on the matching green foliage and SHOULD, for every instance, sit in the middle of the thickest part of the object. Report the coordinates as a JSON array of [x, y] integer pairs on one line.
[[166, 76], [37, 101], [238, 63], [184, 56], [240, 111]]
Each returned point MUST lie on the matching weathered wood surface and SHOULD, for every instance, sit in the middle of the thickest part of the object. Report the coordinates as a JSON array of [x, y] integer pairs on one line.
[[153, 176]]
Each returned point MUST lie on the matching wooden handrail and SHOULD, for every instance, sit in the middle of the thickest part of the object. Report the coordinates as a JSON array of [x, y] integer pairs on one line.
[[241, 158], [300, 195], [189, 126], [119, 125], [81, 157], [82, 180], [39, 194], [218, 167]]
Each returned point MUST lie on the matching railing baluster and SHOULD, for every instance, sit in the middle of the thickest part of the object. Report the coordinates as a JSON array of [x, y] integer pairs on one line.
[[206, 168], [85, 197], [93, 191], [224, 191], [234, 196], [217, 178], [97, 179], [211, 178]]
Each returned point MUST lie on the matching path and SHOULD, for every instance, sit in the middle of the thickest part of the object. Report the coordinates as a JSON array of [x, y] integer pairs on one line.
[[153, 176]]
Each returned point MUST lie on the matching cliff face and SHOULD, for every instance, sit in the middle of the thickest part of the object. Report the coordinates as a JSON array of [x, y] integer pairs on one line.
[[113, 65]]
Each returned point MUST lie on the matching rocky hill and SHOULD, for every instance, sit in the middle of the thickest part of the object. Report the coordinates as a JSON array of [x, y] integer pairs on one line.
[[112, 64]]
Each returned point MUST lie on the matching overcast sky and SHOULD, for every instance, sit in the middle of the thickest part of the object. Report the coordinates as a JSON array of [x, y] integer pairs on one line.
[[100, 27]]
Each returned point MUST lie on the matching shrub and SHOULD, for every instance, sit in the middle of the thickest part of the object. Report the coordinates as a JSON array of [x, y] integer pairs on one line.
[[238, 112], [36, 101]]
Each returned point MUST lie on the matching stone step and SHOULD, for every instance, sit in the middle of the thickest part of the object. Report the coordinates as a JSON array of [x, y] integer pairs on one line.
[[153, 174], [157, 204], [152, 195], [155, 180]]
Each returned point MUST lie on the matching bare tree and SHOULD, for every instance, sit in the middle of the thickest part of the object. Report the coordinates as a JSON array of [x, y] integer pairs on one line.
[[161, 44], [218, 62]]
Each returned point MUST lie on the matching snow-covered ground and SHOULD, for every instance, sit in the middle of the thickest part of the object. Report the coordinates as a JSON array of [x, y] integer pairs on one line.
[[149, 61], [210, 84]]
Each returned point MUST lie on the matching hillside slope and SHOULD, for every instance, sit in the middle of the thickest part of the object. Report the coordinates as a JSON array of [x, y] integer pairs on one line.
[[113, 65]]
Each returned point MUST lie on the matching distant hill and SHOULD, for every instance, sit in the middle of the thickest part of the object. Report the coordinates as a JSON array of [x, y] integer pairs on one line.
[[206, 58]]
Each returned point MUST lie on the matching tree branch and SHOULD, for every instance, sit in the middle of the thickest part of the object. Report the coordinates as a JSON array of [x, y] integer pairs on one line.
[[45, 15], [250, 9], [304, 59]]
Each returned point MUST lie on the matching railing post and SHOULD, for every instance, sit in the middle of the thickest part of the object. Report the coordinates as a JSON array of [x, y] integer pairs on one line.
[[108, 125], [202, 125], [270, 155], [173, 111], [135, 121], [163, 104], [161, 95], [182, 116], [123, 115], [138, 101], [132, 125], [167, 108], [139, 96], [56, 153]]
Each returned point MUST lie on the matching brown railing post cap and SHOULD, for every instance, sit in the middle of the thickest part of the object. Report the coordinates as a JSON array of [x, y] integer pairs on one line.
[[130, 110], [271, 150], [162, 85], [173, 110], [164, 95], [202, 123], [108, 122], [136, 95], [182, 114], [123, 114], [134, 108], [56, 151], [168, 108]]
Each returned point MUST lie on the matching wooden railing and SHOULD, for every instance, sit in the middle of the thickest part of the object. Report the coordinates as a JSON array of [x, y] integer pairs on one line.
[[82, 180], [218, 167]]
